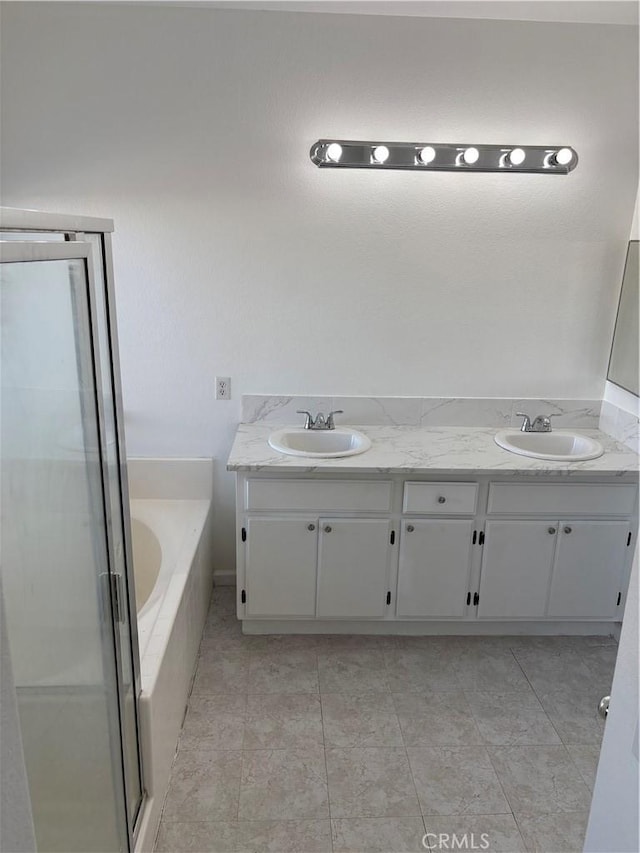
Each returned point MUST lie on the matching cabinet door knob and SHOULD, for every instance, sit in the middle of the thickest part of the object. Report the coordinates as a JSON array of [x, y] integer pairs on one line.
[[410, 528], [552, 530], [327, 528], [442, 499], [603, 706], [567, 530], [311, 527]]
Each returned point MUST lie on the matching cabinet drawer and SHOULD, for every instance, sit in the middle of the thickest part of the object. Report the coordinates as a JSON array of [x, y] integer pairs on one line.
[[441, 498], [318, 495], [561, 499]]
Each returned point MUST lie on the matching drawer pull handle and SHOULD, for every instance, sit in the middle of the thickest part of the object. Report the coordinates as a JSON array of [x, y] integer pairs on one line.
[[552, 530], [567, 530], [311, 527], [442, 499], [327, 528], [410, 528]]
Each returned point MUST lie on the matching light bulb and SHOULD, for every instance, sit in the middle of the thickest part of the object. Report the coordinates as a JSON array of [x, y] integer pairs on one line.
[[380, 153], [516, 156], [470, 155], [427, 155], [333, 152], [564, 156]]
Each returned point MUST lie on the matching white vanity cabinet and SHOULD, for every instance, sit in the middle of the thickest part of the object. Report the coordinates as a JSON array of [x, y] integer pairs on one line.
[[516, 569], [588, 572], [427, 555], [564, 569], [436, 552], [288, 561], [315, 548], [353, 568], [280, 566], [434, 568], [548, 567]]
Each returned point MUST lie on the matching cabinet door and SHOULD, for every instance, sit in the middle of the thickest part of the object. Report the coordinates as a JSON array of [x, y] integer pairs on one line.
[[435, 560], [353, 568], [280, 566], [516, 569], [589, 562]]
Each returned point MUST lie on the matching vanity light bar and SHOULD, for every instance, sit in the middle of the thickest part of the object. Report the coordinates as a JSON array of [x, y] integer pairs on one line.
[[435, 157]]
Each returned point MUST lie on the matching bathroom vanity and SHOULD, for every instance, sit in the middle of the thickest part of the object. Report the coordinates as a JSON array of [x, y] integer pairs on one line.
[[432, 531]]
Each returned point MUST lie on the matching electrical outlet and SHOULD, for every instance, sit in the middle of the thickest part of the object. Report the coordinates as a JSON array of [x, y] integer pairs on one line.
[[223, 387]]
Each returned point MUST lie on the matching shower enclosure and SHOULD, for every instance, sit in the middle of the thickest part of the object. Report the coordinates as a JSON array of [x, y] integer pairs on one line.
[[65, 557]]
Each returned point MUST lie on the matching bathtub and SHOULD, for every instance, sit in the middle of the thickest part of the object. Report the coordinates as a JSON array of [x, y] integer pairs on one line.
[[166, 535], [173, 578]]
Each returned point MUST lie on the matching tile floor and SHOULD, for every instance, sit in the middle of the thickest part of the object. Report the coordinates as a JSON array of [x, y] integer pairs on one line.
[[348, 743]]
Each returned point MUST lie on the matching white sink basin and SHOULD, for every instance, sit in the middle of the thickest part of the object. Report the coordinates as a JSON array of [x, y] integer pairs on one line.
[[326, 444], [559, 445]]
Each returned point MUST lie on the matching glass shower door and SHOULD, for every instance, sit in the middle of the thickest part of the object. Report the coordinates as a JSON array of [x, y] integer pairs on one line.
[[60, 594], [119, 526]]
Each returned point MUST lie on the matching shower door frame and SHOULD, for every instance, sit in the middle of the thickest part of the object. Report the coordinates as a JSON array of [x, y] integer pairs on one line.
[[73, 229], [77, 237]]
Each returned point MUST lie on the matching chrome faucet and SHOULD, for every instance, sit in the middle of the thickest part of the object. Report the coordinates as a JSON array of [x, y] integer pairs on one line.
[[541, 423], [319, 422]]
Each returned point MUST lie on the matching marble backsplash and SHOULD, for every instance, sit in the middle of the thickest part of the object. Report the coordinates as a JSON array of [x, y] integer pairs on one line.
[[621, 425], [420, 411]]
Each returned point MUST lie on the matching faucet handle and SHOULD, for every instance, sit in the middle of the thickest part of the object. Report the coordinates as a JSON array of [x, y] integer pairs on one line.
[[330, 423], [526, 424], [542, 423], [308, 421]]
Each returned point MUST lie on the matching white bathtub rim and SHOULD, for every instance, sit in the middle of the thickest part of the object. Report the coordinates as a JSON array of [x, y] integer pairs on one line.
[[155, 627], [168, 607], [156, 617], [154, 514]]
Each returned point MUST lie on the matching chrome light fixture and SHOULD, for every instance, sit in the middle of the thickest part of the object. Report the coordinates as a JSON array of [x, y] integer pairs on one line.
[[438, 157]]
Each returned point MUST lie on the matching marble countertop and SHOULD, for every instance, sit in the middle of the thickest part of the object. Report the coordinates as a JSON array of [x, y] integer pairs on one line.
[[426, 450]]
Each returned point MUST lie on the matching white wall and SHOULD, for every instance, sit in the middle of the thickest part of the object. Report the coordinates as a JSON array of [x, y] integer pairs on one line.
[[235, 255]]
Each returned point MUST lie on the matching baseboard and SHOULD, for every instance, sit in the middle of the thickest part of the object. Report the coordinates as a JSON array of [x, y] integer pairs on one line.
[[399, 628]]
